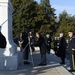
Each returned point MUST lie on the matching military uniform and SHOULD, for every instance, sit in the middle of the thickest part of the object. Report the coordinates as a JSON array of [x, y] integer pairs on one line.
[[56, 46], [71, 51], [48, 44]]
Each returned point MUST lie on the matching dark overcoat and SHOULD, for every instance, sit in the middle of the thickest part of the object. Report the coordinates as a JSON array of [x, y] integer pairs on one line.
[[62, 47], [41, 43], [71, 44], [25, 40]]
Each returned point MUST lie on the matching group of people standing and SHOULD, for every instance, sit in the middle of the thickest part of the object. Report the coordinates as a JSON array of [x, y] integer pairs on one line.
[[60, 47], [44, 44], [63, 47], [27, 39]]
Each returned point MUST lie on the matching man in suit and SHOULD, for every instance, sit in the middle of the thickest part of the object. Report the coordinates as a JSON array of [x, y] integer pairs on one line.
[[25, 44], [62, 48], [71, 51], [42, 46]]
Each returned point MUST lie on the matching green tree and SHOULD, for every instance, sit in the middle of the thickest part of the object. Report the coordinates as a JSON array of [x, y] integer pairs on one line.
[[48, 25], [66, 23], [33, 15], [22, 18]]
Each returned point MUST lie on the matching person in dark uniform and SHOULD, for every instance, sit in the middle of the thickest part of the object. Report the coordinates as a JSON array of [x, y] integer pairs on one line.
[[25, 44], [32, 41], [2, 40], [48, 43], [71, 51], [42, 46], [56, 45], [62, 48]]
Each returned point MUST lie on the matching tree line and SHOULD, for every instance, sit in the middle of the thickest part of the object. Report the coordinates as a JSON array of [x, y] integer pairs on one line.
[[40, 17]]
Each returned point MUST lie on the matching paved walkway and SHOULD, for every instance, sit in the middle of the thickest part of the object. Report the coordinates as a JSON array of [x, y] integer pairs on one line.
[[52, 68]]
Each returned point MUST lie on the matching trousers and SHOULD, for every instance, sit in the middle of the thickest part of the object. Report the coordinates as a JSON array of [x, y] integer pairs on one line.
[[72, 61], [43, 58]]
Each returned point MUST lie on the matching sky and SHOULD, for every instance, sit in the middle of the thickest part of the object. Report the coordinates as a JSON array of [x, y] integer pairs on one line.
[[61, 5]]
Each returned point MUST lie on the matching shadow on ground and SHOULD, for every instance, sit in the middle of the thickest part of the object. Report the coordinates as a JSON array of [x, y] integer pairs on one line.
[[35, 70]]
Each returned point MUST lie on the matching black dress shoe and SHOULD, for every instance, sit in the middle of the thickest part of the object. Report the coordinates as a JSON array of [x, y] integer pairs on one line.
[[62, 63], [71, 70], [26, 62], [44, 64], [41, 64]]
